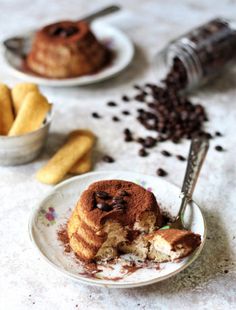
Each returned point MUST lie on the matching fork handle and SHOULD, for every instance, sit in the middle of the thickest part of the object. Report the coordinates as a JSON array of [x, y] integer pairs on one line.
[[197, 154]]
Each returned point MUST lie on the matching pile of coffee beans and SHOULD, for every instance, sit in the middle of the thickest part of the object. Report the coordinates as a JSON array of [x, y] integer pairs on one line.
[[166, 112], [105, 202], [171, 115]]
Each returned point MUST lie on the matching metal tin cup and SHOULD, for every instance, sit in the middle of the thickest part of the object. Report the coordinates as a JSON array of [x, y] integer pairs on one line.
[[18, 150]]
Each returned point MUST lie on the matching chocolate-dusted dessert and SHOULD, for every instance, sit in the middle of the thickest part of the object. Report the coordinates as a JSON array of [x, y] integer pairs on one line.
[[171, 244], [66, 49], [107, 215], [115, 217]]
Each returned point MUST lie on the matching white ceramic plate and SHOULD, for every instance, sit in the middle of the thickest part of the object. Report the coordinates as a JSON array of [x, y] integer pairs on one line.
[[114, 39], [56, 207]]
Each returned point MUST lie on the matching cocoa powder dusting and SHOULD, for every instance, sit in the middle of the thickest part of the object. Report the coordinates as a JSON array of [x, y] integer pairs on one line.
[[63, 237], [131, 268]]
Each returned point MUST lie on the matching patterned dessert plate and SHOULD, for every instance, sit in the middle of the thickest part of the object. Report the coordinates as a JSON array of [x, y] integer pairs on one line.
[[117, 42], [53, 211]]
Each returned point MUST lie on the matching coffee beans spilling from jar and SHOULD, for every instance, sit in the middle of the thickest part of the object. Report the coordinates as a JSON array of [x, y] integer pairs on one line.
[[198, 55], [167, 112], [177, 77]]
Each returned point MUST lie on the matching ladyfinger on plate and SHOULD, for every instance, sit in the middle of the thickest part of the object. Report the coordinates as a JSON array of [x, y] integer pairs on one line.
[[6, 110], [83, 165], [31, 115], [19, 92], [78, 144]]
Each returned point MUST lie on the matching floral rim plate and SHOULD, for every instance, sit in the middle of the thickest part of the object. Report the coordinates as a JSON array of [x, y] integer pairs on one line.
[[118, 43], [54, 210]]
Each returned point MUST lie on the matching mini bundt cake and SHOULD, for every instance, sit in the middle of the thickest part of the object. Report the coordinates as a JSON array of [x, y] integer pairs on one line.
[[66, 49], [109, 214]]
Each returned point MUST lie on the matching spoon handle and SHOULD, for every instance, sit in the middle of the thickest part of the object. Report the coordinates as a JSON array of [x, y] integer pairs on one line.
[[197, 154], [107, 10]]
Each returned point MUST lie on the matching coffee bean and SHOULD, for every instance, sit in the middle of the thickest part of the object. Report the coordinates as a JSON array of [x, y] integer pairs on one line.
[[118, 199], [123, 193], [129, 138], [143, 153], [126, 112], [208, 135], [127, 131], [115, 119], [218, 134], [161, 139], [112, 104], [102, 195], [70, 31], [180, 157], [175, 140], [125, 98], [166, 153], [161, 172], [108, 159], [149, 85], [219, 148], [149, 142], [140, 111], [104, 207], [128, 135], [63, 32], [119, 206], [95, 115], [140, 140], [140, 97], [152, 105], [55, 31]]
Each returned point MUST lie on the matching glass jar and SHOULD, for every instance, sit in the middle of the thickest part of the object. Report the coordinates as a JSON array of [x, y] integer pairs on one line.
[[199, 55]]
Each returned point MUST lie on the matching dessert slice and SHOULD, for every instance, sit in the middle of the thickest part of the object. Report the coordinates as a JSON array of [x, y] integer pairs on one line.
[[171, 244]]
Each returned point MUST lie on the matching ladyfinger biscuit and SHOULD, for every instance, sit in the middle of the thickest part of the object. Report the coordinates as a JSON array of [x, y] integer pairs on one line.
[[6, 110], [19, 92], [31, 115], [83, 165], [77, 145]]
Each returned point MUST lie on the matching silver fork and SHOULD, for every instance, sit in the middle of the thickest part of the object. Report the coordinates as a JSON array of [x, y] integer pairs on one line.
[[197, 154], [21, 45]]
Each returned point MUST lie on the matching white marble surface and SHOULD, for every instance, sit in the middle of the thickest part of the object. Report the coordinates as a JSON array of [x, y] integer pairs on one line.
[[26, 282]]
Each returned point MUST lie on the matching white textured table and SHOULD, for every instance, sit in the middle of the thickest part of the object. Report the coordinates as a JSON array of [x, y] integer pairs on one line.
[[26, 282]]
